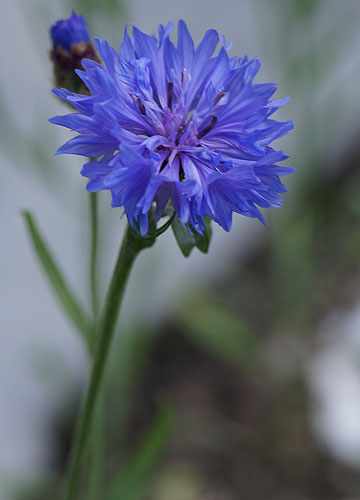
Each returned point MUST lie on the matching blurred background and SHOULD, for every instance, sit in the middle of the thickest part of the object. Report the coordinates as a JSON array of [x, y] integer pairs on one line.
[[234, 375]]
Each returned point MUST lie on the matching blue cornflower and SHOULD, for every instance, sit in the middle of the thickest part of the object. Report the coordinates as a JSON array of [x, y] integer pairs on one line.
[[68, 32], [173, 124]]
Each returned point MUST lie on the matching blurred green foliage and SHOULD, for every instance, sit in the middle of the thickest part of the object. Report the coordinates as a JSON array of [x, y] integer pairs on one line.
[[131, 480], [219, 331]]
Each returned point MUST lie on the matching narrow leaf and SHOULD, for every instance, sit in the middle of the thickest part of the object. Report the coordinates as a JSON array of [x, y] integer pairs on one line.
[[203, 241], [56, 280], [131, 480], [216, 329], [185, 241]]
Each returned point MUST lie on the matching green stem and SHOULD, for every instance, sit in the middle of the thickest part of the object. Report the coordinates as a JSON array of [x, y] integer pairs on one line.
[[93, 256], [97, 451], [97, 436], [130, 247]]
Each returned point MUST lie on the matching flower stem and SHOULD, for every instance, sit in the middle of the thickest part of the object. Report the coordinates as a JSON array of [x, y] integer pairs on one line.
[[97, 445], [130, 247], [97, 452], [93, 255]]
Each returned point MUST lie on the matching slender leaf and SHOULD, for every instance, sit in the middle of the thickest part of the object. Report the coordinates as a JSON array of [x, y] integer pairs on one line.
[[188, 241], [56, 279], [203, 241], [132, 479], [216, 329], [184, 239]]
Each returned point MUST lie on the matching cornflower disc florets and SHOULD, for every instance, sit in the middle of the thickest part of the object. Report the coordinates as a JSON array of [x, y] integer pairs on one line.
[[176, 124]]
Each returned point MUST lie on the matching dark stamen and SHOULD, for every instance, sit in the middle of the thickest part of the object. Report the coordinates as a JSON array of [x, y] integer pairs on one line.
[[178, 135], [141, 106], [156, 99], [183, 73], [219, 97], [209, 127], [181, 172], [170, 94], [195, 101], [163, 165]]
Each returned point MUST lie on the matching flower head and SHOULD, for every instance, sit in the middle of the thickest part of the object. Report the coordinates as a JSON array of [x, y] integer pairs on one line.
[[70, 44], [176, 124], [68, 32]]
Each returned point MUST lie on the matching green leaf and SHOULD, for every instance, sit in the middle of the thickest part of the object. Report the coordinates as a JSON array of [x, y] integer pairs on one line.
[[184, 239], [203, 241], [187, 241], [56, 280], [216, 329], [131, 480]]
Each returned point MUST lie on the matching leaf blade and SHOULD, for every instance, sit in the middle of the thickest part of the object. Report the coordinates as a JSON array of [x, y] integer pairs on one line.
[[131, 479], [183, 238], [202, 242], [58, 284]]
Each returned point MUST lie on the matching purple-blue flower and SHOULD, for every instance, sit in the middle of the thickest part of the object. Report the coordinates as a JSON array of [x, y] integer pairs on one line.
[[176, 124], [68, 32]]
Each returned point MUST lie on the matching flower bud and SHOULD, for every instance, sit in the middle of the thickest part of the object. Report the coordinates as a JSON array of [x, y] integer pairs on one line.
[[71, 43]]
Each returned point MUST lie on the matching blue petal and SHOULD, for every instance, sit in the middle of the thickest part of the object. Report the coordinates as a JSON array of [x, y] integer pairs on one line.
[[95, 168], [75, 121], [185, 45], [206, 48], [126, 49], [107, 54], [90, 146], [145, 45], [96, 185]]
